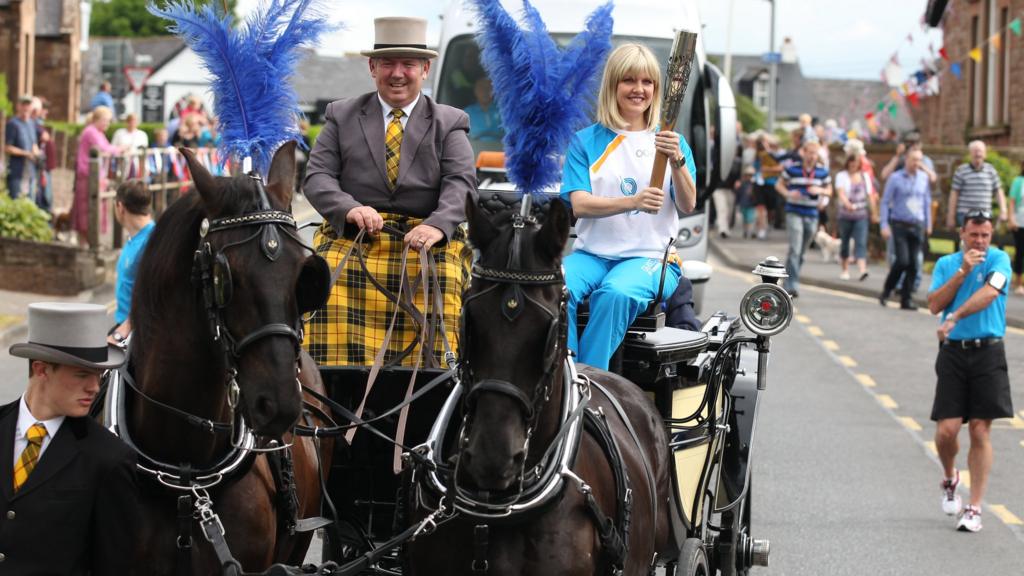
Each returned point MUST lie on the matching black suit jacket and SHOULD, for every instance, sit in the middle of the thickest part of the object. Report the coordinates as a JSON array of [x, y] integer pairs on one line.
[[76, 513]]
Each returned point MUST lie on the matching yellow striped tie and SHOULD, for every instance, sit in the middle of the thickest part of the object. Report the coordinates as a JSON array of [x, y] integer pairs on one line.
[[30, 456], [393, 144]]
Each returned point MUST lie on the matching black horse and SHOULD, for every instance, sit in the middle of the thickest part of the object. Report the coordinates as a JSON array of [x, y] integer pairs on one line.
[[612, 511], [217, 325]]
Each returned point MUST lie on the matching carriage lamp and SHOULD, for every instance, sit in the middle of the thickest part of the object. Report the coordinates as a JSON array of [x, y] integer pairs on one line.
[[766, 309]]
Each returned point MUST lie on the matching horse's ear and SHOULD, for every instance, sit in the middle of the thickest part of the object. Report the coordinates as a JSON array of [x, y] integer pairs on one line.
[[481, 230], [555, 232], [281, 180], [205, 183]]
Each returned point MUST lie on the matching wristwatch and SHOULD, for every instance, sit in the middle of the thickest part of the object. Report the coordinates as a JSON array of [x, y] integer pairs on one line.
[[678, 163], [118, 337]]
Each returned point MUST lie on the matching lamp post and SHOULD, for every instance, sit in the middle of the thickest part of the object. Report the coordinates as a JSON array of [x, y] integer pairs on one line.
[[774, 72]]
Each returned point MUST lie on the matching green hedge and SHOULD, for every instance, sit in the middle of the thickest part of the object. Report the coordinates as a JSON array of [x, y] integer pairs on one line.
[[23, 220]]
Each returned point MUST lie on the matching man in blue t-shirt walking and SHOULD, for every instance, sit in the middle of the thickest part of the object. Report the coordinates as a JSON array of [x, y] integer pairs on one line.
[[802, 185], [969, 290]]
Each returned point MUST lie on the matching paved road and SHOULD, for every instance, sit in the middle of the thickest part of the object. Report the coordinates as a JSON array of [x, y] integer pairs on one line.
[[845, 477]]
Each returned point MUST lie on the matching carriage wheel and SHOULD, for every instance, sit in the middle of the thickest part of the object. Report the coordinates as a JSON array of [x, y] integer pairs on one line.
[[693, 560], [736, 537]]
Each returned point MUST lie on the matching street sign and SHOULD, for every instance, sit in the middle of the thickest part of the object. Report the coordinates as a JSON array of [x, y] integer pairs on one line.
[[771, 57], [153, 103], [137, 76]]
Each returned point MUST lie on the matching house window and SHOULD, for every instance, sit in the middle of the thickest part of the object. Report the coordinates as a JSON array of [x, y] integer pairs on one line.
[[760, 95], [990, 78]]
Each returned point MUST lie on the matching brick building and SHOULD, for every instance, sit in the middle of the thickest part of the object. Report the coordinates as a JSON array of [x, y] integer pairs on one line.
[[40, 52], [979, 104]]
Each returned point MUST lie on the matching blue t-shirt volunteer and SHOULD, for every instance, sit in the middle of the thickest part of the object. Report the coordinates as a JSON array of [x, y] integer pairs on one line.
[[987, 323], [127, 266]]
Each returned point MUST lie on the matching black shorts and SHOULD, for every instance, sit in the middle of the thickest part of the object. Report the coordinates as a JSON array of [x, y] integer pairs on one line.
[[973, 383], [766, 196]]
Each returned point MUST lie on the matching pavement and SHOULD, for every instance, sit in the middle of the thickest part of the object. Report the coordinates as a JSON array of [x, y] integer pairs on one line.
[[743, 254], [14, 305]]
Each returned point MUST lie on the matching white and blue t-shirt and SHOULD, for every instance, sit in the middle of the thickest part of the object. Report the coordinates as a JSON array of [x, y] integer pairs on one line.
[[615, 163]]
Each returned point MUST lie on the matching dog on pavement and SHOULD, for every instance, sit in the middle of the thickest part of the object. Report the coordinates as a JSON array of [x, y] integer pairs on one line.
[[828, 245]]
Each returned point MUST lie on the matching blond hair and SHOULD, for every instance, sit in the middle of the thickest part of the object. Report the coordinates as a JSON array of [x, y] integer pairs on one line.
[[100, 113], [628, 59]]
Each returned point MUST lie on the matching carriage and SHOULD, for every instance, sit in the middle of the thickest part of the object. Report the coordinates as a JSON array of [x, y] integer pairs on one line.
[[706, 385]]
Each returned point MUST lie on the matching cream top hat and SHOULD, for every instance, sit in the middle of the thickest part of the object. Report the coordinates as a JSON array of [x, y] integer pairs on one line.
[[72, 333], [396, 36]]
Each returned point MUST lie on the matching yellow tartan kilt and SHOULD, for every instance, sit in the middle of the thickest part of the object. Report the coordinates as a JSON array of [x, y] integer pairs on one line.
[[350, 329]]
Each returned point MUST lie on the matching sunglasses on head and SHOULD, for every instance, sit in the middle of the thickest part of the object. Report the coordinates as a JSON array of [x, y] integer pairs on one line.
[[978, 215]]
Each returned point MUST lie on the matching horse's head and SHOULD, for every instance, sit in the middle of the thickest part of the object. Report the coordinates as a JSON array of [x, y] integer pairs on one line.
[[513, 340], [256, 279]]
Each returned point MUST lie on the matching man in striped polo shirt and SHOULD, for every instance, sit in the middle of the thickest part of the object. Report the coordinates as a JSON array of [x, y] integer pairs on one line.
[[974, 184], [802, 185]]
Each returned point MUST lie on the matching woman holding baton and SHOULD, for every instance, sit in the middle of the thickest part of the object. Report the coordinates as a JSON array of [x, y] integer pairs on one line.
[[625, 221]]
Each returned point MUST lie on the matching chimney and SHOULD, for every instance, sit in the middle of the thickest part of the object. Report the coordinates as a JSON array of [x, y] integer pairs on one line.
[[788, 51]]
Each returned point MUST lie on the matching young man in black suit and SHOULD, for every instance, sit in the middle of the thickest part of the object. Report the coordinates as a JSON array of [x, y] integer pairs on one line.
[[68, 497]]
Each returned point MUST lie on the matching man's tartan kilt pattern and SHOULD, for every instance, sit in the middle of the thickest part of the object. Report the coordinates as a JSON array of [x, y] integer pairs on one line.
[[351, 328]]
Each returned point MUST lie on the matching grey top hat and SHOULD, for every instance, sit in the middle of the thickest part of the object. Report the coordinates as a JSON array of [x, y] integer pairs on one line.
[[396, 36], [71, 333]]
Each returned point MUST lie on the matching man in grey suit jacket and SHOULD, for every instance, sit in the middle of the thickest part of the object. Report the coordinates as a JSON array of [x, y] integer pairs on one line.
[[392, 159], [347, 181]]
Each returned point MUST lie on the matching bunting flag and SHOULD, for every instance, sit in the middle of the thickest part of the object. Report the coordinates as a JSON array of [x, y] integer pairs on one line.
[[995, 40], [955, 69], [881, 106], [869, 115], [975, 54], [1014, 26], [914, 99], [943, 53], [910, 39], [893, 110]]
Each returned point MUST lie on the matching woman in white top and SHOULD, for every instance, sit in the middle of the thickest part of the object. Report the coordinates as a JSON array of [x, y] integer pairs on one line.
[[130, 137], [625, 221], [856, 198]]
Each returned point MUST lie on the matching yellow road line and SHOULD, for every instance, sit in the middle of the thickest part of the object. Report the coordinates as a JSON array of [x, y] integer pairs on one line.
[[830, 345], [866, 380], [803, 319], [815, 331], [910, 423], [887, 401], [1005, 515], [1017, 422], [847, 361], [931, 447]]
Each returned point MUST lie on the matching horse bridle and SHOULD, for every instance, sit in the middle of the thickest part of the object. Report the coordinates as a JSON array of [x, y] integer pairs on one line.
[[513, 278], [211, 273]]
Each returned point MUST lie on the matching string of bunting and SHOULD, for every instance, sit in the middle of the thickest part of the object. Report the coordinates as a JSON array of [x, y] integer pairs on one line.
[[925, 82]]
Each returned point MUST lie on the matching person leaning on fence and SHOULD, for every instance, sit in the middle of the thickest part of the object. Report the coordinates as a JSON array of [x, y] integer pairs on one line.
[[973, 387], [69, 491], [974, 184], [390, 160], [625, 220], [93, 137], [132, 209]]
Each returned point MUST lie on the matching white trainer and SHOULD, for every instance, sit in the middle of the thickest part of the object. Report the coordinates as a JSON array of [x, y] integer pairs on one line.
[[951, 502], [970, 520]]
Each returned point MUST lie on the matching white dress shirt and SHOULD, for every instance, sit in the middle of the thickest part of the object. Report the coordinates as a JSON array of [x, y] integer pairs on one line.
[[25, 421], [387, 112]]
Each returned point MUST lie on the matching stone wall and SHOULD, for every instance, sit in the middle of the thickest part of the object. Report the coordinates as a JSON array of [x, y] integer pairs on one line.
[[57, 72], [17, 46], [50, 268]]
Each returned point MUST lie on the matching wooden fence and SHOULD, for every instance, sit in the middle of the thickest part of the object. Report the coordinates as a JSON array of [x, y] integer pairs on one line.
[[162, 169]]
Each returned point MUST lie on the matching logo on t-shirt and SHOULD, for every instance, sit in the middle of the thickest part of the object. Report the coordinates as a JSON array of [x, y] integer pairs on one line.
[[628, 186]]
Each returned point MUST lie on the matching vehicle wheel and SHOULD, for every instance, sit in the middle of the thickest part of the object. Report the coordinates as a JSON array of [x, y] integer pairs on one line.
[[693, 561], [736, 533]]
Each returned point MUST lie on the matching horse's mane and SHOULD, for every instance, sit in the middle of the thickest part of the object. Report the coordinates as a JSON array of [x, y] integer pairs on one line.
[[163, 284]]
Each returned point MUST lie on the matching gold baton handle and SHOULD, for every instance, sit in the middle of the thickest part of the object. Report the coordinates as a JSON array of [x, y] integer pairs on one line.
[[660, 163]]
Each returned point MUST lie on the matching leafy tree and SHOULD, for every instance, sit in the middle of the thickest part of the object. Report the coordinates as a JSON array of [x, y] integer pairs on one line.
[[130, 19], [5, 103], [750, 116]]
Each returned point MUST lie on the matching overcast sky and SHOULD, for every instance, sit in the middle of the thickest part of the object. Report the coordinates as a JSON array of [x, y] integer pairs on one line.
[[834, 38]]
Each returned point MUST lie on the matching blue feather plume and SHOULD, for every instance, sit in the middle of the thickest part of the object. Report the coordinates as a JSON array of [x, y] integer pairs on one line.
[[251, 68], [545, 93]]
